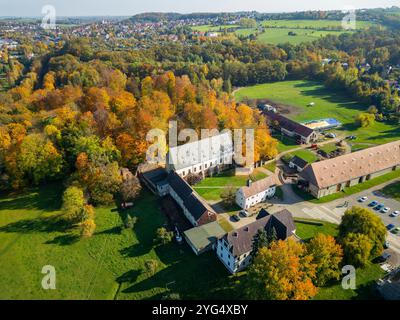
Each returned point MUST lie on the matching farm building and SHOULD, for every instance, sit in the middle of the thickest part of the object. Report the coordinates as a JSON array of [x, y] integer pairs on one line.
[[298, 131], [333, 175], [298, 163]]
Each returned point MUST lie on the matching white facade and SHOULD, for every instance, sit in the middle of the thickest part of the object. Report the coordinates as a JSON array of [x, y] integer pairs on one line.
[[202, 156], [248, 202], [233, 264]]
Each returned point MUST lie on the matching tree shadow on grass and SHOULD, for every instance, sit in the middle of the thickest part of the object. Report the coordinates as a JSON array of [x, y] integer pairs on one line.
[[46, 198], [130, 276], [39, 224], [191, 281], [64, 240], [112, 231]]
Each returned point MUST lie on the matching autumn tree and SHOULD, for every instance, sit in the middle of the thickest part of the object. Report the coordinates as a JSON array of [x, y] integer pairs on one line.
[[365, 120], [130, 189], [327, 256], [284, 271]]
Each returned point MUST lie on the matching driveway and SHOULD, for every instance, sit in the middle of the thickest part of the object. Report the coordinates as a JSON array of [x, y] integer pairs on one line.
[[334, 210]]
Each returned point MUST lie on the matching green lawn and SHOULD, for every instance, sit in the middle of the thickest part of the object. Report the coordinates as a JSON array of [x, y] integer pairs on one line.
[[306, 231], [285, 143], [108, 265], [328, 104], [210, 188], [365, 282], [392, 190], [270, 166], [305, 154], [329, 147]]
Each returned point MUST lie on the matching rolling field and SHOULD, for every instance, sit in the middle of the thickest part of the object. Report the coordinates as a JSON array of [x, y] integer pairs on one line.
[[296, 95], [109, 265], [276, 31], [313, 24]]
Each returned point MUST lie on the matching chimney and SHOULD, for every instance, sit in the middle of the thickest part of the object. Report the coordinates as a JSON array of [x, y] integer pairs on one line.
[[249, 182]]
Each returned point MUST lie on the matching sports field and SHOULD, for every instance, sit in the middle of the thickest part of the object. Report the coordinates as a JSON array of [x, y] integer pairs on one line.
[[297, 95]]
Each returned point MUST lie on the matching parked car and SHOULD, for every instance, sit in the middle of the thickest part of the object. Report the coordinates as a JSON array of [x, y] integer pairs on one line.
[[390, 226], [363, 199], [379, 207], [384, 257], [386, 245], [330, 135], [373, 204], [395, 230], [244, 213], [236, 218], [385, 210], [395, 214]]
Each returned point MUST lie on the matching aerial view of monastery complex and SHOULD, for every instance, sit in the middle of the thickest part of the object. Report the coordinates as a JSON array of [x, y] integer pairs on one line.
[[289, 190]]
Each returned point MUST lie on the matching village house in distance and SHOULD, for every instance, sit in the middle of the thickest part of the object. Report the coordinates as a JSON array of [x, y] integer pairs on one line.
[[333, 175], [205, 157]]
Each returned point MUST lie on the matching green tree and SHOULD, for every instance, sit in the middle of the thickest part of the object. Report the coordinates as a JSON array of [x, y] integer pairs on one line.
[[357, 249], [163, 236], [130, 222], [228, 195], [363, 221], [39, 159], [327, 256], [73, 204], [260, 241]]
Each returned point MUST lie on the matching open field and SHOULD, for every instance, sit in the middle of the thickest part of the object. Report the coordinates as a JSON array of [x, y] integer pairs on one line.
[[108, 265], [313, 24], [296, 95], [277, 31], [281, 35]]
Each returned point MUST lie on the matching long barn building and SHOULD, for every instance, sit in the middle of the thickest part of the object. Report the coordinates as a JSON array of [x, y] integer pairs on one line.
[[333, 175]]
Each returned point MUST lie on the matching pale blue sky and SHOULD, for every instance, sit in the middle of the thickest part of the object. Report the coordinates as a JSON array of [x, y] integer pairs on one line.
[[130, 7]]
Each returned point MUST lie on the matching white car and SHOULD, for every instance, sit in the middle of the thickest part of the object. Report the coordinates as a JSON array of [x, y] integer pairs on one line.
[[395, 214], [385, 210], [363, 199]]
